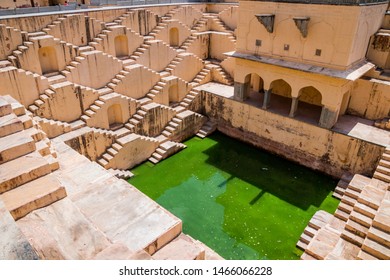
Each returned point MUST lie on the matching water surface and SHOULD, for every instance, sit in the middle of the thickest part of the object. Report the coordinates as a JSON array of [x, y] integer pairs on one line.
[[242, 202]]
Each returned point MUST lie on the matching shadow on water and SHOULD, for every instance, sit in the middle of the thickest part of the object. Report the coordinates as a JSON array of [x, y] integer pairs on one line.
[[289, 182], [242, 202]]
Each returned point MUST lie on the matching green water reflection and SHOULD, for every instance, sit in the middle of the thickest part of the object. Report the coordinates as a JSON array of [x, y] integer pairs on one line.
[[242, 202]]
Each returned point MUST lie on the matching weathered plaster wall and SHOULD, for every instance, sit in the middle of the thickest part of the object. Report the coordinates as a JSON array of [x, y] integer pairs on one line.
[[340, 32], [309, 145], [10, 39], [220, 44], [370, 99]]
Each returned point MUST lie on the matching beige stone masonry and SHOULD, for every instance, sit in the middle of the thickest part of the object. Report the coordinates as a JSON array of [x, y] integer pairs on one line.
[[182, 247], [35, 194], [10, 38]]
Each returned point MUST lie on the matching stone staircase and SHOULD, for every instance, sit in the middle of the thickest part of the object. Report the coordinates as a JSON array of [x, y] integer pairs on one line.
[[382, 171], [172, 126], [165, 150], [27, 160], [220, 75], [172, 65], [189, 98], [95, 108], [222, 27], [342, 185], [135, 121], [359, 228], [117, 151], [203, 77], [182, 247], [208, 128], [200, 25], [121, 174]]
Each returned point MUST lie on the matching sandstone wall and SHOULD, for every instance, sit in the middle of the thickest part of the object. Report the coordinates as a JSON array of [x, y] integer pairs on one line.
[[21, 85], [370, 99], [157, 56], [229, 16], [188, 67], [200, 46], [137, 82], [311, 146], [188, 15], [91, 144], [10, 39], [88, 69], [220, 44]]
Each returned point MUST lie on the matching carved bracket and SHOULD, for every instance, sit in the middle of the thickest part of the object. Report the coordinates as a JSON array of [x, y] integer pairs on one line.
[[301, 23], [267, 20]]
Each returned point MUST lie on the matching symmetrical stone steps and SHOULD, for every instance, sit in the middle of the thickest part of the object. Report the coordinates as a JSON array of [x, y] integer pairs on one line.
[[208, 128], [165, 150], [182, 247], [382, 171]]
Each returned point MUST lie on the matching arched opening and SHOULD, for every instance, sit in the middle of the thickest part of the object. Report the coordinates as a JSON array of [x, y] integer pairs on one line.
[[174, 37], [121, 46], [280, 97], [310, 104], [114, 114], [173, 92], [254, 89], [48, 60]]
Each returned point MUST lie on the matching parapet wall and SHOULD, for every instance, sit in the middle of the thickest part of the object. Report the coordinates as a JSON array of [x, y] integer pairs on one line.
[[317, 148]]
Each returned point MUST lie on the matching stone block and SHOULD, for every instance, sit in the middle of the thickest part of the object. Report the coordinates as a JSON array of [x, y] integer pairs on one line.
[[13, 244], [33, 195], [15, 145], [22, 170]]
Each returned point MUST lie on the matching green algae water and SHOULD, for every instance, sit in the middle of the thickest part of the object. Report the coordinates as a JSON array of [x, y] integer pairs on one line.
[[242, 202]]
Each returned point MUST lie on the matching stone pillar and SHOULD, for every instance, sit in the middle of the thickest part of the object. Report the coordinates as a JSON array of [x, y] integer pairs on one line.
[[294, 107], [267, 98], [328, 117], [239, 91]]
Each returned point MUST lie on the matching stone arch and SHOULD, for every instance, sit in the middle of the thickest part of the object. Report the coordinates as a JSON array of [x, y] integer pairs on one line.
[[281, 87], [121, 46], [174, 37], [309, 104], [173, 93], [310, 95], [48, 60], [280, 96], [114, 115], [254, 88]]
